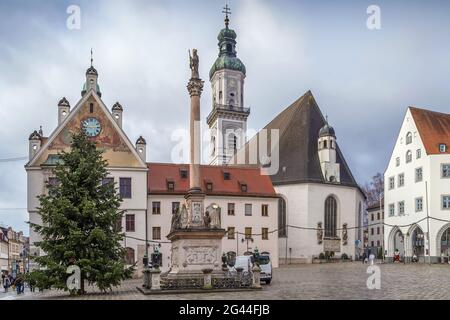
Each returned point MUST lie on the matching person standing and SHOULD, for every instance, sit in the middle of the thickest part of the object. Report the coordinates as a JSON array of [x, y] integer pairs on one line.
[[5, 282]]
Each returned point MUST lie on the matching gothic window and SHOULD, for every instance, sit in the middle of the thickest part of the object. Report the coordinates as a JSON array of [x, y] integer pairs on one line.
[[330, 217], [408, 138], [282, 231]]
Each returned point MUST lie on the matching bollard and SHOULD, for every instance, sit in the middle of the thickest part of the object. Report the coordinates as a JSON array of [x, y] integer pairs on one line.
[[207, 283], [256, 270]]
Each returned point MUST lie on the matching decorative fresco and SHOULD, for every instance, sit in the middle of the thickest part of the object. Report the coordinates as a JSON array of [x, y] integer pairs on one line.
[[100, 129]]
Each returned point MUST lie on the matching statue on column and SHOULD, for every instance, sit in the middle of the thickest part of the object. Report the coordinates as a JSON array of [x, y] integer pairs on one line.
[[193, 64]]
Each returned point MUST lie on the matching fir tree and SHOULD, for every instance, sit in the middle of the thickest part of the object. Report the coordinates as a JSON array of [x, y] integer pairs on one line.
[[80, 215]]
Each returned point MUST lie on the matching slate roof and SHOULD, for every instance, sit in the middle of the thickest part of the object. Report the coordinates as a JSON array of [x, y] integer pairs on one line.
[[434, 129], [159, 174], [299, 126]]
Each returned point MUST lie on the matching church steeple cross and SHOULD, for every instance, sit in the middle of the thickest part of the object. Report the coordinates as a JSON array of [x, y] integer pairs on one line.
[[226, 11]]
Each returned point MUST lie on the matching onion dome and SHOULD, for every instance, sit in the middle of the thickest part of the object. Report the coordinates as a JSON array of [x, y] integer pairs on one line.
[[117, 107], [141, 140], [63, 102], [227, 52], [327, 130], [34, 136], [92, 70]]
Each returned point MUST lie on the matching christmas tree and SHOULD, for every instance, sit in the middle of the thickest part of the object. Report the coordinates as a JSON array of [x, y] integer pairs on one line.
[[80, 216]]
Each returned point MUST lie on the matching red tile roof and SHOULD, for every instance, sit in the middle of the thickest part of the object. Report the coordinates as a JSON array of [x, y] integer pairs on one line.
[[257, 185], [433, 127]]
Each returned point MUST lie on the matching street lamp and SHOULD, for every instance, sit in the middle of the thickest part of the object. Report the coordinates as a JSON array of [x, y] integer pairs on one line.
[[247, 240]]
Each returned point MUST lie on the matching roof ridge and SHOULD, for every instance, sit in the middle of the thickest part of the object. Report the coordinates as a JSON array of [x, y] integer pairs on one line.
[[428, 110]]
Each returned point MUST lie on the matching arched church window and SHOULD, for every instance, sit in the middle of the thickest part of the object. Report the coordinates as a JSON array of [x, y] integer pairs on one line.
[[229, 47], [330, 217], [282, 221], [408, 138]]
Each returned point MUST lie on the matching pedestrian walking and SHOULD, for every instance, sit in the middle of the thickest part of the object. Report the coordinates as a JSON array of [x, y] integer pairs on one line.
[[5, 282]]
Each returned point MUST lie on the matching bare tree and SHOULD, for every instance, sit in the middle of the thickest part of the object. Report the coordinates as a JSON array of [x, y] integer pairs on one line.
[[374, 189]]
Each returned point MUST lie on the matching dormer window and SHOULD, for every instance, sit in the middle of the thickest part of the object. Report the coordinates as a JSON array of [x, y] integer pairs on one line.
[[442, 148], [243, 186], [226, 176], [183, 174], [170, 185], [209, 186]]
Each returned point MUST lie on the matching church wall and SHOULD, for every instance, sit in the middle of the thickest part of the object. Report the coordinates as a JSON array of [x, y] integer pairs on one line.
[[305, 208]]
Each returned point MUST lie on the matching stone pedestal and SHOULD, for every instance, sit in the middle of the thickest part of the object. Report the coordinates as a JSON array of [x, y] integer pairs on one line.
[[147, 278], [207, 282], [196, 249], [156, 279]]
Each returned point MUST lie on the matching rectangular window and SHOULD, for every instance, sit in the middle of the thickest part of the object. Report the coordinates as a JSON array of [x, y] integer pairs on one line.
[[231, 209], [446, 202], [401, 179], [248, 209], [378, 216], [419, 174], [372, 217], [125, 188], [418, 153], [129, 222], [446, 171], [183, 173], [391, 210], [248, 233], [231, 233], [170, 185], [419, 204], [265, 210], [371, 231], [175, 207], [156, 207], [397, 162], [401, 208], [265, 233], [226, 176], [378, 230], [378, 243], [156, 233], [391, 183]]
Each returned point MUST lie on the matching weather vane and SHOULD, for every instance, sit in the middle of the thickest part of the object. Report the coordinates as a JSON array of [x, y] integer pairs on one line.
[[92, 59], [227, 11]]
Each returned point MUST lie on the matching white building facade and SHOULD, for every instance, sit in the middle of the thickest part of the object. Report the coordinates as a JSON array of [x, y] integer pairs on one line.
[[417, 188]]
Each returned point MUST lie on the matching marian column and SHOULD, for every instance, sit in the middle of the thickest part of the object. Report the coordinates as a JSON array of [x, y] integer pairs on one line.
[[196, 233]]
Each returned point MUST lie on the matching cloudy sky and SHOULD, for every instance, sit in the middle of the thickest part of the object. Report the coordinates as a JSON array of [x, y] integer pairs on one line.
[[363, 79]]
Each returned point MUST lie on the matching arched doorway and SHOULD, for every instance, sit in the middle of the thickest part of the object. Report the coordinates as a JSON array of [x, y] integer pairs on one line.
[[443, 241], [418, 242], [396, 242]]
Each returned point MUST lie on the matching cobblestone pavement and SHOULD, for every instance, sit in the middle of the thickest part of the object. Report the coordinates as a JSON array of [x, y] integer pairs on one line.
[[318, 281]]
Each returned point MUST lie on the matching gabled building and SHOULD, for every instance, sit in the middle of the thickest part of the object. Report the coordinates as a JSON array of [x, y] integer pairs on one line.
[[126, 161], [417, 187], [4, 250], [320, 202]]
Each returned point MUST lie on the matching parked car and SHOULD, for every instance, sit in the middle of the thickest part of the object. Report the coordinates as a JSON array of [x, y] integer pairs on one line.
[[266, 267], [244, 262]]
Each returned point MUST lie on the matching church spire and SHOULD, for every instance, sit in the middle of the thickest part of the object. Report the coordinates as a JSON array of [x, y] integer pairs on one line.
[[91, 79]]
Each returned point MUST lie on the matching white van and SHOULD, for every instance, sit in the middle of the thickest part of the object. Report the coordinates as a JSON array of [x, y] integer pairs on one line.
[[266, 267], [244, 262]]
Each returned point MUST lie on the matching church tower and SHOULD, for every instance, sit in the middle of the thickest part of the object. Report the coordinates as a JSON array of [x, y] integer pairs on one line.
[[327, 154], [91, 80], [227, 120]]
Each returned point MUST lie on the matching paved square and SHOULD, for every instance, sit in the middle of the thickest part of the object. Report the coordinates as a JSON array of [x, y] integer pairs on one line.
[[324, 281]]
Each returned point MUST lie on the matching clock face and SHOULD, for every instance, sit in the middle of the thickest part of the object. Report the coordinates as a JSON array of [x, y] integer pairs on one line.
[[91, 127]]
